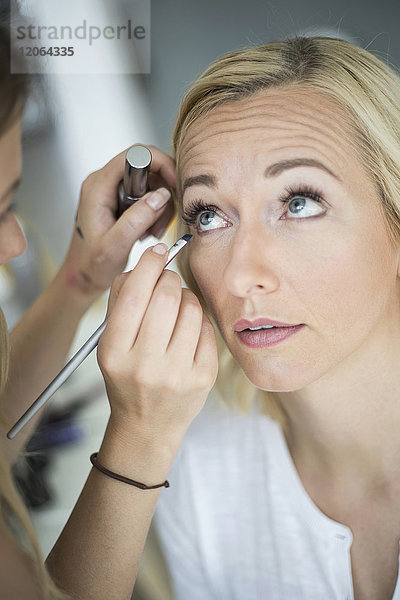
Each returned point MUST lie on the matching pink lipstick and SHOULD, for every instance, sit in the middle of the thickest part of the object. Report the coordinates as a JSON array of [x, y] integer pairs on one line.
[[263, 333]]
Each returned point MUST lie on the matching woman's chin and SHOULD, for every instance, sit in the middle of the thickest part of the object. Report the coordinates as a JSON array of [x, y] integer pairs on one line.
[[287, 379]]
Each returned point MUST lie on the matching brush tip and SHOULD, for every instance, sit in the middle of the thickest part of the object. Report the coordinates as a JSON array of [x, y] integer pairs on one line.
[[186, 237]]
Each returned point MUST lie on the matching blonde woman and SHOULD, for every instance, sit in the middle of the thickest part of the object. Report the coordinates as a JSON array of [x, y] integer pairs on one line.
[[288, 178], [97, 555]]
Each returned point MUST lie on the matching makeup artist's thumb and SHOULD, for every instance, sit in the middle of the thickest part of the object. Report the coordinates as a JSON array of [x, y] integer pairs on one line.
[[137, 219]]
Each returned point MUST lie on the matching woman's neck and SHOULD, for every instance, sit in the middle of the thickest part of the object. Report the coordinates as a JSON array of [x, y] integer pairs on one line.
[[348, 422]]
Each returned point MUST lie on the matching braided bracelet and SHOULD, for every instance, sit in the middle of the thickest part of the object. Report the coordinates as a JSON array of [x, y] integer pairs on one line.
[[142, 486]]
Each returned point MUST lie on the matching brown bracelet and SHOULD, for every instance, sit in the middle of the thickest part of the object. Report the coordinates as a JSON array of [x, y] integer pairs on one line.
[[142, 486]]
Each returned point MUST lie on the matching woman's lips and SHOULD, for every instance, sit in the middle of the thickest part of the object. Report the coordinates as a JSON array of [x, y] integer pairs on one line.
[[262, 338]]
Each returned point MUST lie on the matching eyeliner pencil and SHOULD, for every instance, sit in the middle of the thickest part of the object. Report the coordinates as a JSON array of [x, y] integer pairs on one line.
[[78, 358]]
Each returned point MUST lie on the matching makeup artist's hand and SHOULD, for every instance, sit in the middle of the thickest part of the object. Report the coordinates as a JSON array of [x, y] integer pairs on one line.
[[101, 244], [158, 353]]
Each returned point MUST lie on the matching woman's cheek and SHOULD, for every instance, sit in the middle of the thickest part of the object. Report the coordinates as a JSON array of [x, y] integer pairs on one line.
[[207, 273]]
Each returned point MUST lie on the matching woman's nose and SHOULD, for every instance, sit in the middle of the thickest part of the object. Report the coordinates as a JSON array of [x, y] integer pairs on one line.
[[250, 268]]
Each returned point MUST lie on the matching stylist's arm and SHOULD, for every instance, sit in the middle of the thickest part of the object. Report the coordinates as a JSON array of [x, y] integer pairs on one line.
[[98, 251], [159, 360]]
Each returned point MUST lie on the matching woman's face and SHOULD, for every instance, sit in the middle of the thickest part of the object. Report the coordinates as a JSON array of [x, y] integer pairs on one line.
[[291, 231], [12, 239]]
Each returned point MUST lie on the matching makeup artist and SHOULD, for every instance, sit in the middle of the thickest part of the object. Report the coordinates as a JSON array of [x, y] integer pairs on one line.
[[97, 555]]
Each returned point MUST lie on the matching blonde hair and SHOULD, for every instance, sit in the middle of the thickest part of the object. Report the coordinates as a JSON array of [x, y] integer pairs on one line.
[[13, 513], [368, 91]]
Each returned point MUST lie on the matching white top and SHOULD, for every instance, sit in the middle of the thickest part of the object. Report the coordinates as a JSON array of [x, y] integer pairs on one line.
[[237, 523]]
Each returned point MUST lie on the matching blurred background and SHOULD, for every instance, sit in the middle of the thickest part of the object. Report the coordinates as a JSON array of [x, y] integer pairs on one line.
[[77, 122]]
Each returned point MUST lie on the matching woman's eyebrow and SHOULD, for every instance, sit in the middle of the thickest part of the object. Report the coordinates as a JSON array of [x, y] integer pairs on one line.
[[283, 165], [271, 171], [207, 180]]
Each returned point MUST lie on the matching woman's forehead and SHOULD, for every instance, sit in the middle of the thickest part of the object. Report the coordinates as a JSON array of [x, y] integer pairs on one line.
[[268, 123]]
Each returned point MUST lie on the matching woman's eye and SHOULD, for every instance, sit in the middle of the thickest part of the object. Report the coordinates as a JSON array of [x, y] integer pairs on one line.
[[203, 218], [301, 207], [210, 220]]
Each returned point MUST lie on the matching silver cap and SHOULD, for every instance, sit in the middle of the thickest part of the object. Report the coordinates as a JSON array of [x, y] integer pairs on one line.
[[137, 163]]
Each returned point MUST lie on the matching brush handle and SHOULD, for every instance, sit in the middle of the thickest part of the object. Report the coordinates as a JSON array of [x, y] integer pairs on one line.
[[57, 382]]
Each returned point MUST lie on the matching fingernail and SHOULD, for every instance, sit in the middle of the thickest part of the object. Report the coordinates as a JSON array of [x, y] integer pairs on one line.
[[158, 198], [160, 248]]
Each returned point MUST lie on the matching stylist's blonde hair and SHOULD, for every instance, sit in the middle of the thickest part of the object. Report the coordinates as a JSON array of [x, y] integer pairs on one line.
[[368, 91]]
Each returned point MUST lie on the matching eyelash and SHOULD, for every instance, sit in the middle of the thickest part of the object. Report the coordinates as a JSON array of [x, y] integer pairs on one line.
[[196, 207], [192, 212]]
